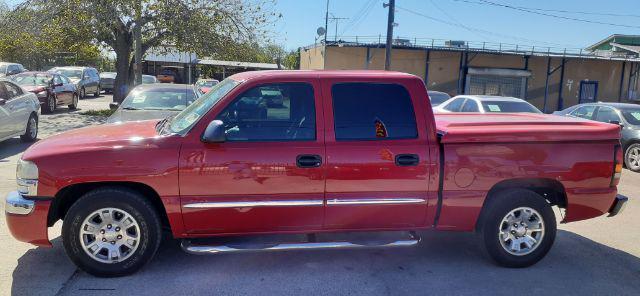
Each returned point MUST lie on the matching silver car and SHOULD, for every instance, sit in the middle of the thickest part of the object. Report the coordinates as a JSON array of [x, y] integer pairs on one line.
[[86, 79], [19, 112], [485, 104], [8, 69]]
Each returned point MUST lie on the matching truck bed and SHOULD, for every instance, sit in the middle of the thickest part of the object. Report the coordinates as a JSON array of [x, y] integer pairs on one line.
[[520, 127]]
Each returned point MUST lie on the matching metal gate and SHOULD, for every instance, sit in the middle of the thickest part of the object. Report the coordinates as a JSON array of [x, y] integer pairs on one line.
[[588, 92], [497, 82]]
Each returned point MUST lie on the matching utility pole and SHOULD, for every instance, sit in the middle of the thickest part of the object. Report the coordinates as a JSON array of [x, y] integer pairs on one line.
[[326, 23], [337, 19], [137, 36], [390, 24]]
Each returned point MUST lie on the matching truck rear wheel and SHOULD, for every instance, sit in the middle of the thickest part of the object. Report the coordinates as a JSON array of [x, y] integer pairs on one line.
[[517, 228], [111, 232]]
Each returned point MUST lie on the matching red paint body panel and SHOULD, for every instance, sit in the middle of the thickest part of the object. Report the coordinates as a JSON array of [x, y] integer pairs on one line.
[[480, 151]]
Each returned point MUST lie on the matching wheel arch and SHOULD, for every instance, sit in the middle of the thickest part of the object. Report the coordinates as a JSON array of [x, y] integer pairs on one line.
[[70, 194]]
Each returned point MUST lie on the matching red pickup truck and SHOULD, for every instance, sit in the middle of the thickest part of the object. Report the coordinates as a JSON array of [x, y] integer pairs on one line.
[[346, 151]]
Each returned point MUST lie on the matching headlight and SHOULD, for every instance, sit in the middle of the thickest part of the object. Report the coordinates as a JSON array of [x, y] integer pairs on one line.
[[27, 178]]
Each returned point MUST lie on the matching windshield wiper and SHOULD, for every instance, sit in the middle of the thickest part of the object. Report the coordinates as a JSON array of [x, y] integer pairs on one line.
[[162, 123], [130, 108]]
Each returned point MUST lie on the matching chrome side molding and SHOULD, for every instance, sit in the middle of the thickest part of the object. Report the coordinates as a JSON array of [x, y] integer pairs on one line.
[[375, 201], [197, 249], [253, 204]]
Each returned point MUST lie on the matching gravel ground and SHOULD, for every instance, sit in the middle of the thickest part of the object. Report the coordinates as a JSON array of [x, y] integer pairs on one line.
[[593, 257]]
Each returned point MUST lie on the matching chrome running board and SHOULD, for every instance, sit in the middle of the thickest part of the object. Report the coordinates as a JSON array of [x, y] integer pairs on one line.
[[201, 249]]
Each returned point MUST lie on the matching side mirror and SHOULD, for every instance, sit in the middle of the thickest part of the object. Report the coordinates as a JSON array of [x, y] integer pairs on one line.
[[2, 102], [57, 84], [214, 133], [616, 122], [114, 105]]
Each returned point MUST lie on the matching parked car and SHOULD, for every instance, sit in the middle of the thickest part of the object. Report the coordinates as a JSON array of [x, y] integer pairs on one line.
[[153, 101], [52, 89], [86, 79], [107, 80], [486, 104], [437, 97], [19, 112], [625, 115], [148, 79], [339, 160], [204, 85], [8, 69], [169, 74]]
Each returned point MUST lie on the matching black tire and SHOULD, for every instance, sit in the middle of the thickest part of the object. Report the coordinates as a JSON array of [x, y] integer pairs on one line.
[[49, 105], [123, 199], [28, 136], [97, 93], [74, 102], [83, 93], [490, 222], [631, 164]]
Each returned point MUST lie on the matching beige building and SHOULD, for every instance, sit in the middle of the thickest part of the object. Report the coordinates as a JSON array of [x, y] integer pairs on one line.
[[549, 79]]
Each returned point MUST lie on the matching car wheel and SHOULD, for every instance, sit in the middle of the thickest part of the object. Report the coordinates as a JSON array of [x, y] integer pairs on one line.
[[83, 93], [49, 105], [97, 93], [74, 102], [112, 231], [517, 228], [31, 133], [632, 157]]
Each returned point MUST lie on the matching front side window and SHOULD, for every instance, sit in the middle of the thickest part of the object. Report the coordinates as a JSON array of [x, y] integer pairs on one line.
[[455, 105], [585, 112], [373, 111], [272, 112], [509, 107], [606, 114]]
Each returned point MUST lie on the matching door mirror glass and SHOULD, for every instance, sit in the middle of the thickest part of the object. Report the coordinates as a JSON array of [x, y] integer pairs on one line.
[[214, 133], [616, 122], [2, 102]]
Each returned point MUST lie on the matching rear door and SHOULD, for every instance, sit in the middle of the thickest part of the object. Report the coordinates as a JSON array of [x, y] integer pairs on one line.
[[5, 115], [17, 107], [377, 157]]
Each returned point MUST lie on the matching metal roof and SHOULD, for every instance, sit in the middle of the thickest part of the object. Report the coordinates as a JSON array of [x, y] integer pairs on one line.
[[236, 64]]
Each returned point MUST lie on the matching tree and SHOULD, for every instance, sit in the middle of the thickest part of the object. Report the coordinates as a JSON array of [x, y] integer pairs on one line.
[[200, 26], [292, 60]]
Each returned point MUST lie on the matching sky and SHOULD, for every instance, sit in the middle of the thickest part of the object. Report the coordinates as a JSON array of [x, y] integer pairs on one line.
[[471, 20]]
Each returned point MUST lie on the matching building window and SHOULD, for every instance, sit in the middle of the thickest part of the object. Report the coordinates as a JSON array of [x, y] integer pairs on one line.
[[497, 82]]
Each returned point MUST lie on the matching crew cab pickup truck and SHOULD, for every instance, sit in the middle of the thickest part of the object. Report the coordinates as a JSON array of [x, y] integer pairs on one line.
[[346, 151]]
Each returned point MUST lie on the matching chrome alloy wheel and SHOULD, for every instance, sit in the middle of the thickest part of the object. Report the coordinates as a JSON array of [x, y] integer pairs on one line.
[[33, 127], [521, 231], [52, 103], [633, 158], [110, 235]]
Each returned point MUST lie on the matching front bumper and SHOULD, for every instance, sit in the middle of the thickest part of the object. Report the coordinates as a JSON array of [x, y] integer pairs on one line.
[[618, 205], [27, 219]]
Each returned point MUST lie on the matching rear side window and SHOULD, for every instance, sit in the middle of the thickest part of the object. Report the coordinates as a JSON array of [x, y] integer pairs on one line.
[[606, 114], [372, 111], [455, 105], [470, 106]]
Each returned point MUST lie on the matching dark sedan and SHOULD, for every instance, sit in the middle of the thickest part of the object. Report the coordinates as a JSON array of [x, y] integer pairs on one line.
[[52, 89], [154, 101], [626, 115]]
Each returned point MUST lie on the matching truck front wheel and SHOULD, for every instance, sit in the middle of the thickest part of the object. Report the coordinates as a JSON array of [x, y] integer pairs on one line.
[[111, 232], [517, 228]]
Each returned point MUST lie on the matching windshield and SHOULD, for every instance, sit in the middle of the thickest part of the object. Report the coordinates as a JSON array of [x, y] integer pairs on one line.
[[146, 79], [3, 69], [206, 83], [161, 98], [32, 79], [438, 98], [506, 106], [187, 118], [108, 75], [69, 73], [632, 116]]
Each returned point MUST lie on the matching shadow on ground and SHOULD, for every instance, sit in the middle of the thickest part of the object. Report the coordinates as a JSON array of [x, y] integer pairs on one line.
[[11, 147], [445, 263]]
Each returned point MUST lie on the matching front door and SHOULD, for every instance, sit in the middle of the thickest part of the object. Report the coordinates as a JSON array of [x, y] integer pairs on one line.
[[5, 116], [377, 157], [17, 108], [268, 175]]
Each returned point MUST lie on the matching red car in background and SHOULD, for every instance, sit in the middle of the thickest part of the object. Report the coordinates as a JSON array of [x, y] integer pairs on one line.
[[52, 89], [204, 85]]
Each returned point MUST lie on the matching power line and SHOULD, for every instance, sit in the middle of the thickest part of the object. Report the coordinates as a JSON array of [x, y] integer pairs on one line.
[[360, 15], [475, 29], [484, 2], [457, 21], [563, 11]]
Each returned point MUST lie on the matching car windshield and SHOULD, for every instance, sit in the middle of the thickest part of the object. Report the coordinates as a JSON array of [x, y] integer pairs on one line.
[[187, 118], [160, 98], [32, 79], [438, 98], [206, 83], [3, 69], [631, 115], [108, 75], [509, 106], [69, 73], [148, 79]]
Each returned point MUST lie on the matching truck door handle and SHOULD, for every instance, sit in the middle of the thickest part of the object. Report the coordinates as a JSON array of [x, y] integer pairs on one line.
[[407, 159], [308, 161]]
